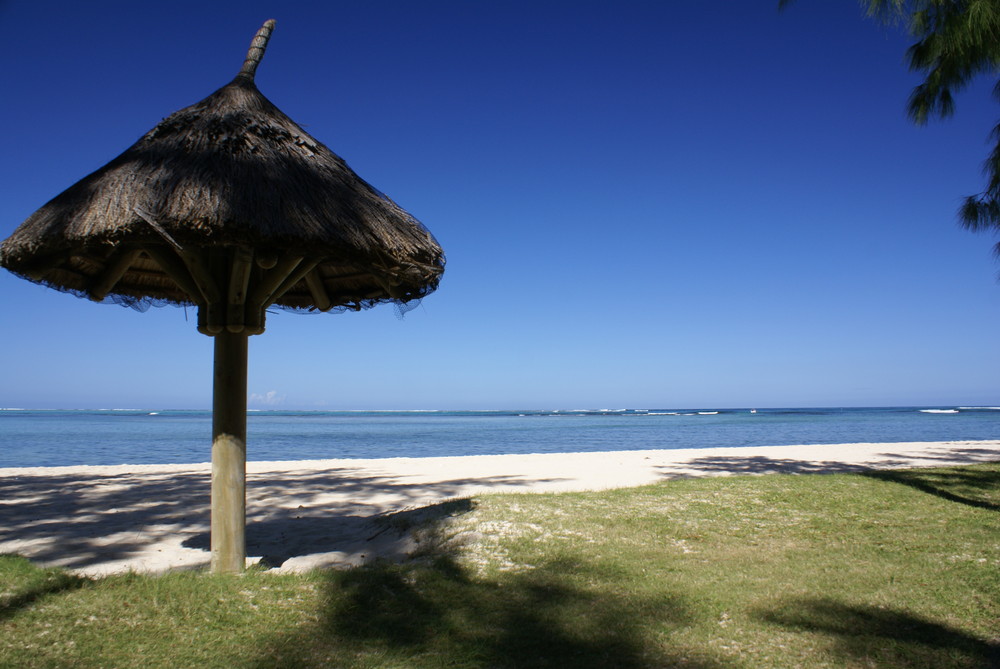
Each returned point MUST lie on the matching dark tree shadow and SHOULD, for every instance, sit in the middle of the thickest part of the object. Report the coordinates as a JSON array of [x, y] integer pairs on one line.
[[875, 636], [435, 610], [439, 614], [978, 488], [45, 584]]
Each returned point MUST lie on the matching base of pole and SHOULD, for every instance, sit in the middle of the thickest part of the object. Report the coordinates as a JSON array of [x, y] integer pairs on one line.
[[228, 505]]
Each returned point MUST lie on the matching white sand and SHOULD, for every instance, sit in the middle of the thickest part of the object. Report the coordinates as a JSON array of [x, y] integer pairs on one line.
[[305, 514]]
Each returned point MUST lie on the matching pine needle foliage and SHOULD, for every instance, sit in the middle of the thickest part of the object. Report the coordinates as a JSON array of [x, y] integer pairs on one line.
[[956, 42]]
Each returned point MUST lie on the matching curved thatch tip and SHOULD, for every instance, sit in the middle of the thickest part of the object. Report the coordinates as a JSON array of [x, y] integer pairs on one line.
[[256, 51]]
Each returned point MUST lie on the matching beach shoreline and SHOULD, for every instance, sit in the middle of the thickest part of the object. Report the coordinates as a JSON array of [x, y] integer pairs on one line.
[[319, 513]]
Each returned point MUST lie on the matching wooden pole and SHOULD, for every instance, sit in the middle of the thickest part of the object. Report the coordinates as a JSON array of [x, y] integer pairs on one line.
[[229, 453]]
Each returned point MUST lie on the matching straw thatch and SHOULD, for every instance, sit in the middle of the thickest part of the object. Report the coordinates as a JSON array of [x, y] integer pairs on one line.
[[228, 204]]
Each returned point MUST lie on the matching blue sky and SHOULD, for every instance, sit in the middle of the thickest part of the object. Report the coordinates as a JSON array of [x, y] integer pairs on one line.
[[643, 204]]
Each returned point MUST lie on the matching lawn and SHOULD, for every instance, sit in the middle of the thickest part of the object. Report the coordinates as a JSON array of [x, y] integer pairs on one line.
[[879, 569]]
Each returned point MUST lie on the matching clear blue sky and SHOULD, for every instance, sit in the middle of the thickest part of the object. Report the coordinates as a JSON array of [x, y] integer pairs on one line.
[[643, 204]]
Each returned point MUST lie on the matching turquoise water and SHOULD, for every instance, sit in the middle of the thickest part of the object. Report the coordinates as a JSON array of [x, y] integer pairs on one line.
[[150, 436]]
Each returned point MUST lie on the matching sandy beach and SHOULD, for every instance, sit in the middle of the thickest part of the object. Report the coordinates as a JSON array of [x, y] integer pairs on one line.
[[320, 513]]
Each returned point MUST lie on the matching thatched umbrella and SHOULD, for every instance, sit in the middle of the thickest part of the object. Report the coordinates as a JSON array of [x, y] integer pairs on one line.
[[229, 206]]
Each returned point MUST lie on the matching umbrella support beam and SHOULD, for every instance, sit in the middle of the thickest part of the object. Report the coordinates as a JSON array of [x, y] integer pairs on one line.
[[229, 453]]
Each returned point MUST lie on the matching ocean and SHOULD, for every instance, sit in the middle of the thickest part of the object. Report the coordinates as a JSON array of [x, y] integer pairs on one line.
[[32, 438]]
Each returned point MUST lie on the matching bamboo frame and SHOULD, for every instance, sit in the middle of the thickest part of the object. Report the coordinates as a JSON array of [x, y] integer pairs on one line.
[[318, 291], [173, 267], [272, 279], [197, 263], [239, 281], [390, 289], [117, 265], [293, 278]]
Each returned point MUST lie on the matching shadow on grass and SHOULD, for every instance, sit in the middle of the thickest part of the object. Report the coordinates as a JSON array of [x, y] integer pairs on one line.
[[979, 487], [884, 637], [30, 584], [438, 614], [438, 611]]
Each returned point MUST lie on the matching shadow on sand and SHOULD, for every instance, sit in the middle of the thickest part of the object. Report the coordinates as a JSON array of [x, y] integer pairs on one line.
[[731, 464], [355, 539], [306, 518], [83, 520]]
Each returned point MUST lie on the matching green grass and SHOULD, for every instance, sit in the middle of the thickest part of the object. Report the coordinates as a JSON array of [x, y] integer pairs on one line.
[[886, 569]]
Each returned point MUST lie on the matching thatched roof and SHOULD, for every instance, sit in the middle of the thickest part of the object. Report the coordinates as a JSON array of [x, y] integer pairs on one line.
[[222, 197]]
